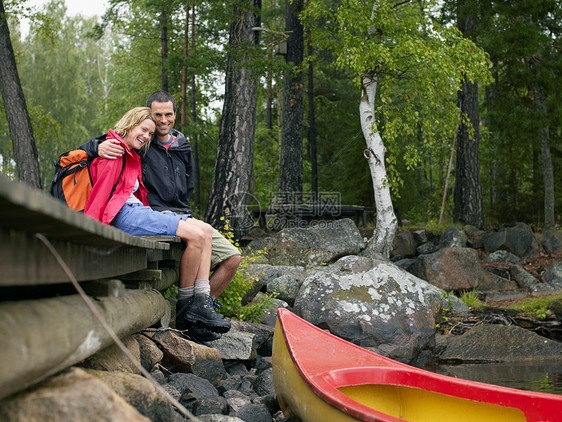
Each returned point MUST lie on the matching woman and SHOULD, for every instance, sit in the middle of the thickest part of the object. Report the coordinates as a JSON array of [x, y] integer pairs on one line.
[[118, 198]]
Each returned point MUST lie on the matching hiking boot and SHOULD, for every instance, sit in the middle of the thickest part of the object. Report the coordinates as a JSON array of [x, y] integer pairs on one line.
[[198, 310], [201, 335]]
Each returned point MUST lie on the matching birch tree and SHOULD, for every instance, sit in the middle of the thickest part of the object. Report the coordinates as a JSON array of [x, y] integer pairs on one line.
[[391, 47]]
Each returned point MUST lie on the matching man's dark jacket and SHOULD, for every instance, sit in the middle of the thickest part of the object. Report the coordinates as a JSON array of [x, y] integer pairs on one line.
[[166, 173]]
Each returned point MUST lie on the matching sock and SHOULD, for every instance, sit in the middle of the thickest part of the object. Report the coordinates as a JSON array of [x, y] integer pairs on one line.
[[202, 286], [185, 292]]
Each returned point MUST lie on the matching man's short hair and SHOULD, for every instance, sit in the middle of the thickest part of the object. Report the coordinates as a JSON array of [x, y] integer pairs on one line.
[[161, 97]]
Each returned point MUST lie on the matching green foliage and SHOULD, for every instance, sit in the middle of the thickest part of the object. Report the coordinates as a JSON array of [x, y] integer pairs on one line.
[[471, 299], [242, 282], [539, 306], [171, 292]]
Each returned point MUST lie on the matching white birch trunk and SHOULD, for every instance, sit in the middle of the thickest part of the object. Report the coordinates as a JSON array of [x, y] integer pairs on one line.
[[385, 229]]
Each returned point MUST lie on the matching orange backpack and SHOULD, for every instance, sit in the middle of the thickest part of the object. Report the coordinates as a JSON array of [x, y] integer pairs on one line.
[[72, 181]]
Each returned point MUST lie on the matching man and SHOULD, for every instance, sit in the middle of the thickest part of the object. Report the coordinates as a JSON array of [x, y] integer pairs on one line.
[[167, 172]]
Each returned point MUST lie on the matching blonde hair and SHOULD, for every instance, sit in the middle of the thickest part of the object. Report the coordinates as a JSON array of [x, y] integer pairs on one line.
[[132, 118]]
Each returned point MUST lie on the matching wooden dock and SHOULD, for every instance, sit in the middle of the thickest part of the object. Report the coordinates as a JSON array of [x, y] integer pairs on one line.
[[45, 326]]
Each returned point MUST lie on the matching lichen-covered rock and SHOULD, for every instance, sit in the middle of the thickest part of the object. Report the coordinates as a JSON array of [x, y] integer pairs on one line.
[[372, 303], [313, 245]]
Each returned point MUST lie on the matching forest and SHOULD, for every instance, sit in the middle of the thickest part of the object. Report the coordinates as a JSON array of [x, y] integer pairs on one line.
[[467, 100]]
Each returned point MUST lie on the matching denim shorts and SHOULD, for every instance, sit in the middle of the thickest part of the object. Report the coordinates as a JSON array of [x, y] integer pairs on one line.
[[140, 220]]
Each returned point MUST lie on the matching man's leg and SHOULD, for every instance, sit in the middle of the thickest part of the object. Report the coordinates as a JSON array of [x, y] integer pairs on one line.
[[195, 306], [225, 258]]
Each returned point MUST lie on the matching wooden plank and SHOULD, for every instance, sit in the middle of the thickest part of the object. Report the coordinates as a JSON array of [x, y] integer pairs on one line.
[[29, 210], [27, 261]]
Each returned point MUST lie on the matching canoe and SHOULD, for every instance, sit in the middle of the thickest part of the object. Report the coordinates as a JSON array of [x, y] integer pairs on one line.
[[321, 377]]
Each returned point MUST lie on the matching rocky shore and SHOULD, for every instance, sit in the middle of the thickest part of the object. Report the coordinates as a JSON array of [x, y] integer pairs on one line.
[[328, 275]]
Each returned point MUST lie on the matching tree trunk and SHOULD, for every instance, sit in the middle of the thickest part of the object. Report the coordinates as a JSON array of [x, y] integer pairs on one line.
[[164, 47], [19, 123], [547, 170], [312, 125], [386, 224], [230, 193], [290, 183], [195, 138], [468, 207]]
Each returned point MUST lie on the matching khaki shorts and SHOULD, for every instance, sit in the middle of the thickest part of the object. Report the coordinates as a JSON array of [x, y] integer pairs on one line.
[[221, 250]]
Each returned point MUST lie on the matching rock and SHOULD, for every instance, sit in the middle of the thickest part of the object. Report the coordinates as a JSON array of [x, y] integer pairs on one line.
[[237, 345], [150, 354], [263, 385], [553, 275], [404, 246], [139, 393], [218, 418], [518, 240], [267, 273], [189, 389], [285, 288], [112, 358], [270, 315], [494, 342], [311, 246], [73, 395], [254, 412], [425, 248], [502, 256], [452, 238], [472, 231], [507, 296], [264, 335], [525, 280], [186, 356], [420, 236], [373, 304], [236, 400], [551, 240], [450, 268], [490, 282]]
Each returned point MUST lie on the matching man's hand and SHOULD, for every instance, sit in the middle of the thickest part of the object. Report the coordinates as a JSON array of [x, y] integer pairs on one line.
[[110, 149]]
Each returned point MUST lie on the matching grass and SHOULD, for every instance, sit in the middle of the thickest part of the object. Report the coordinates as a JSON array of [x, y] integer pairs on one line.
[[538, 306], [471, 299]]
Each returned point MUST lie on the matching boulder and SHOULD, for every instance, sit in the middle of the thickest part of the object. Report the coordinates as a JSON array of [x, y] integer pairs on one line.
[[311, 246], [285, 288], [502, 256], [139, 393], [495, 342], [237, 345], [270, 314], [518, 240], [553, 275], [73, 395], [150, 354], [112, 358], [551, 240], [450, 268], [526, 280], [404, 246], [374, 304], [183, 355], [452, 238]]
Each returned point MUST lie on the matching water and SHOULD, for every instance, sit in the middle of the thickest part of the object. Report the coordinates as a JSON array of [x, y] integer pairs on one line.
[[542, 376]]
